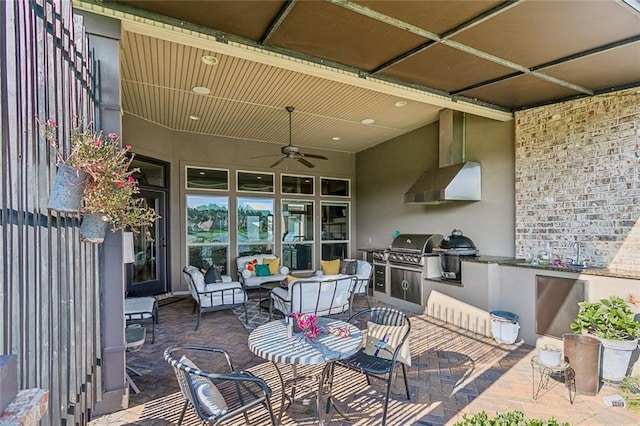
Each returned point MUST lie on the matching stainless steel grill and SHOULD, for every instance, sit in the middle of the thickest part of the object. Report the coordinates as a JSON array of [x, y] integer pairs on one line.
[[411, 249]]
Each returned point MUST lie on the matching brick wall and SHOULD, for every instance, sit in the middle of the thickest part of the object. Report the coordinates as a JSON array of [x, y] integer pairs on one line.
[[578, 179]]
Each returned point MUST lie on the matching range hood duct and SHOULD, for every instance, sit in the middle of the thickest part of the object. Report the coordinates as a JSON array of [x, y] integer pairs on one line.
[[455, 179]]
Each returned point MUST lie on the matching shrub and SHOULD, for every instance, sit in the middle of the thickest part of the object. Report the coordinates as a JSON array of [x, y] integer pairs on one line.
[[508, 418]]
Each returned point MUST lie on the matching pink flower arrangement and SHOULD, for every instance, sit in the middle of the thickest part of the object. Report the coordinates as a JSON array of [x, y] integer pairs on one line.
[[308, 324], [110, 188]]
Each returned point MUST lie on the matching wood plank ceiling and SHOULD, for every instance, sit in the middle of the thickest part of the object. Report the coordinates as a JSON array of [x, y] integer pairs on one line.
[[491, 56]]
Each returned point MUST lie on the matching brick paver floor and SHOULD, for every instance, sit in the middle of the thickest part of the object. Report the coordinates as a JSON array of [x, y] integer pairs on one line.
[[453, 372]]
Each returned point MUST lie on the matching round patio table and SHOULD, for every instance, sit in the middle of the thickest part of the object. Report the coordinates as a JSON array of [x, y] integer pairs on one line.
[[270, 342]]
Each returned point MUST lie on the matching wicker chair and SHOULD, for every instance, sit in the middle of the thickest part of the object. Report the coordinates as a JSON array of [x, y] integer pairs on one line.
[[240, 391]]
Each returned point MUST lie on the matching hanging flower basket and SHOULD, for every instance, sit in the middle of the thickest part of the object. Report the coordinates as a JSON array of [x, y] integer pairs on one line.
[[109, 195], [93, 229], [68, 187]]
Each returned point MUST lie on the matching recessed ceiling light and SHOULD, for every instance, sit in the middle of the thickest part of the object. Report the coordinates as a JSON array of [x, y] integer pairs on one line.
[[400, 104], [368, 121], [194, 117], [259, 177], [336, 138], [202, 173], [209, 60], [201, 90]]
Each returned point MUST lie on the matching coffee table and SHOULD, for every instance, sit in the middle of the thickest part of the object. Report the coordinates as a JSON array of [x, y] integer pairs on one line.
[[270, 285]]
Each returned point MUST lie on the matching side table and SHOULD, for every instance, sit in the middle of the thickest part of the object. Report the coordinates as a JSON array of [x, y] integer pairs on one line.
[[560, 371], [266, 303]]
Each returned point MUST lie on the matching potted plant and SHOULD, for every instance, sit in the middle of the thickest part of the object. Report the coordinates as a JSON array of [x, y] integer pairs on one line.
[[549, 355], [108, 195], [612, 321]]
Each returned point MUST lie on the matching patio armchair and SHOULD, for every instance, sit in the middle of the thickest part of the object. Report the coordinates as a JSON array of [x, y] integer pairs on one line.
[[317, 295], [214, 296], [386, 347], [216, 397], [363, 272]]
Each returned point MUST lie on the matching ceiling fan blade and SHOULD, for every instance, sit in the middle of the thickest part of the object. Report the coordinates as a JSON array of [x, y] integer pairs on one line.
[[319, 157], [305, 162], [278, 162], [265, 156]]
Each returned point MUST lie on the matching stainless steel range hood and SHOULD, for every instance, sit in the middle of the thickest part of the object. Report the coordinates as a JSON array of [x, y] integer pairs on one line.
[[455, 179]]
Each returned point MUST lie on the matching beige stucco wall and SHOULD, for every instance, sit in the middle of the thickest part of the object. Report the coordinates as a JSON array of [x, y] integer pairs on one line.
[[181, 149], [578, 179], [387, 170]]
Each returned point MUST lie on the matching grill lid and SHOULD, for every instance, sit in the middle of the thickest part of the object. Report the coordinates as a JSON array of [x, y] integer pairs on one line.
[[456, 243], [416, 243]]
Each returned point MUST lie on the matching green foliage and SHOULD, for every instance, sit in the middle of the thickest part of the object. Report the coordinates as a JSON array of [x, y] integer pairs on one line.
[[630, 388], [508, 418], [610, 318]]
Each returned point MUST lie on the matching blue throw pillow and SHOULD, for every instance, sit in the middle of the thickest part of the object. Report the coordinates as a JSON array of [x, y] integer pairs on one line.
[[212, 276], [262, 270]]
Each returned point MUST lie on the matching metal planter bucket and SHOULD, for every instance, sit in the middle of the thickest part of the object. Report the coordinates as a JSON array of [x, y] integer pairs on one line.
[[93, 229], [615, 358], [67, 190]]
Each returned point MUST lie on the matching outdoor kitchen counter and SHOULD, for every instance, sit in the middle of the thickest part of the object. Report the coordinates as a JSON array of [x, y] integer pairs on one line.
[[521, 263]]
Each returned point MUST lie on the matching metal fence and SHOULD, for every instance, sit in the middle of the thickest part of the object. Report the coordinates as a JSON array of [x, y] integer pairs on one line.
[[50, 281]]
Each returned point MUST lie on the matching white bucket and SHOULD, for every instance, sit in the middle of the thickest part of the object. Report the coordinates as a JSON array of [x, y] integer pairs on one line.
[[504, 326]]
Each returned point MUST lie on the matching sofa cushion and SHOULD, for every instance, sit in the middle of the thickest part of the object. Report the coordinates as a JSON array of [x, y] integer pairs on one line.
[[209, 397], [234, 294], [348, 266], [274, 264], [263, 270], [213, 275], [330, 267]]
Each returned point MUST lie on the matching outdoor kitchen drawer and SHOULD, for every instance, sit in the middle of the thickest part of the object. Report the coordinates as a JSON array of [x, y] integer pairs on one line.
[[380, 278]]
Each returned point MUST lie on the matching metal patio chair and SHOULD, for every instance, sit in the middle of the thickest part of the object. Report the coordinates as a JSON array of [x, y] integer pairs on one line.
[[216, 397], [387, 347]]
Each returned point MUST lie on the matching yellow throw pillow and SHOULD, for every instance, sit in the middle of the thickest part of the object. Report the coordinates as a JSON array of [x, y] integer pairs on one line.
[[274, 265], [330, 267], [382, 341], [291, 278]]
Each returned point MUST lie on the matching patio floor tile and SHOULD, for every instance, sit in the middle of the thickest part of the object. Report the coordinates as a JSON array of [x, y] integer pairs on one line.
[[453, 372]]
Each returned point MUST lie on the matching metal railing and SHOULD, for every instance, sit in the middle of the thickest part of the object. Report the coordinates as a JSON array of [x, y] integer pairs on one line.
[[49, 303]]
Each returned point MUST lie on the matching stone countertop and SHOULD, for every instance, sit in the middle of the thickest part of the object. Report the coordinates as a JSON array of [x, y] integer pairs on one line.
[[521, 263]]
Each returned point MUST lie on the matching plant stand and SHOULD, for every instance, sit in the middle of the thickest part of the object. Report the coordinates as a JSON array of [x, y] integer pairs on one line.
[[562, 371]]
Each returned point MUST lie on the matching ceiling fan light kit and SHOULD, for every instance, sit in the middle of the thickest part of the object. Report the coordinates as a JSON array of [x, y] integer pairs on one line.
[[292, 152]]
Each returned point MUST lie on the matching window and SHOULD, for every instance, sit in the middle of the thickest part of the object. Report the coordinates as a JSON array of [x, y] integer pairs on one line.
[[335, 187], [255, 182], [151, 172], [208, 231], [255, 226], [291, 184], [297, 234], [335, 230], [204, 178]]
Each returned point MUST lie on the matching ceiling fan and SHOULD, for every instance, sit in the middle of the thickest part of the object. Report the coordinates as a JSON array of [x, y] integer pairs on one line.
[[291, 151]]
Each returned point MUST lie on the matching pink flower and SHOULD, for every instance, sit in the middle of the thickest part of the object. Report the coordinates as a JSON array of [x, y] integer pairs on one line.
[[98, 143], [51, 122], [112, 135], [120, 183], [128, 147], [130, 179]]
